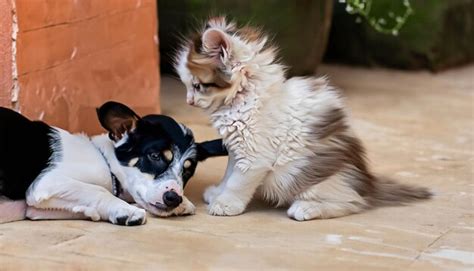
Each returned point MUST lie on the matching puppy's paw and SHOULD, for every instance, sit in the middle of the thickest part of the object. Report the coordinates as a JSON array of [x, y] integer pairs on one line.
[[129, 216], [185, 208], [226, 205], [188, 207], [211, 193], [304, 210]]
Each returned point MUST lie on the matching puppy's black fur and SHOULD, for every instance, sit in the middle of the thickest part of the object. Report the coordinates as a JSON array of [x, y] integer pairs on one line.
[[24, 152]]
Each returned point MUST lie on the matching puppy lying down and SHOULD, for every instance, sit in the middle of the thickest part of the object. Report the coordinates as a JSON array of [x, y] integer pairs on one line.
[[48, 173]]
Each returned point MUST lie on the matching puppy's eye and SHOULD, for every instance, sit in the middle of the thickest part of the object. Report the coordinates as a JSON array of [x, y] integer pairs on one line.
[[168, 155], [154, 156], [187, 164]]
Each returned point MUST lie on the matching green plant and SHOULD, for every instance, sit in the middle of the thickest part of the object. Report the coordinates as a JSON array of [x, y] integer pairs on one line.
[[384, 16]]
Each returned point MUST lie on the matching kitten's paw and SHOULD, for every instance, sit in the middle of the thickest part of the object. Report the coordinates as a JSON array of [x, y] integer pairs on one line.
[[305, 210], [128, 216], [224, 205], [210, 193]]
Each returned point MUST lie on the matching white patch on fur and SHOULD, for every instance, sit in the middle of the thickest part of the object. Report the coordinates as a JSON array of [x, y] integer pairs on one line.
[[121, 141]]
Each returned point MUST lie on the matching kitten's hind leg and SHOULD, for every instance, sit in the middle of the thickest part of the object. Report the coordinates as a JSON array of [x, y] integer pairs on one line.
[[331, 198], [302, 210]]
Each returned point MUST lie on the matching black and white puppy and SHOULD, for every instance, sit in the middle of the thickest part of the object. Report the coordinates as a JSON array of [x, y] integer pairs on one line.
[[49, 173]]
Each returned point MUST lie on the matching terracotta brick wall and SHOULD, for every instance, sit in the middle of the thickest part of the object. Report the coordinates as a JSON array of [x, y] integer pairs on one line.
[[74, 55], [6, 81]]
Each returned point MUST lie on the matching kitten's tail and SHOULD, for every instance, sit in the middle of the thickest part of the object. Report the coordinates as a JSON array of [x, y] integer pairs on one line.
[[389, 192]]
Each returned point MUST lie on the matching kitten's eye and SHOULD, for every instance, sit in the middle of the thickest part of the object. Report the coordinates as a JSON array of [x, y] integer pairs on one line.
[[154, 156]]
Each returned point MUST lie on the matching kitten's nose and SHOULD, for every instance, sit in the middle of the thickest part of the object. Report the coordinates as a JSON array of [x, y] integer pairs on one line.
[[172, 199], [190, 101]]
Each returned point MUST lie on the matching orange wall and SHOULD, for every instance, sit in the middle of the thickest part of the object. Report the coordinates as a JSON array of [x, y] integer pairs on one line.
[[6, 80], [74, 55]]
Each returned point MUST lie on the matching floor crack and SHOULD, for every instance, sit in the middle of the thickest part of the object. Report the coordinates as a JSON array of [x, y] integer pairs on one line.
[[430, 245]]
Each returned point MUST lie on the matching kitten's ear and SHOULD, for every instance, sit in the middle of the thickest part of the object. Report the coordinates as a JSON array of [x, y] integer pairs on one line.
[[216, 41], [117, 118]]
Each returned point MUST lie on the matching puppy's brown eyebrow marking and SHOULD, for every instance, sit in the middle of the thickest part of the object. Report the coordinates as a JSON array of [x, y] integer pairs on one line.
[[168, 154]]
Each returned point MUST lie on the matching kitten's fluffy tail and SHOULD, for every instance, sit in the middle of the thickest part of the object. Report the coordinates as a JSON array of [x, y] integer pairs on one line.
[[388, 192]]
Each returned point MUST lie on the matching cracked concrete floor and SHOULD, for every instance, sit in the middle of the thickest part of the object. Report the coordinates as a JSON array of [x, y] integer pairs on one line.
[[417, 127]]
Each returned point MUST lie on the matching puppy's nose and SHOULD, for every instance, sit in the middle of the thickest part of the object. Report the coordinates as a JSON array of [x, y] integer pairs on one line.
[[172, 199]]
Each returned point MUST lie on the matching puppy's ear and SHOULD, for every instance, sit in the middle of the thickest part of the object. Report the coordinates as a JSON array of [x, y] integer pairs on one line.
[[210, 149], [217, 43], [117, 118]]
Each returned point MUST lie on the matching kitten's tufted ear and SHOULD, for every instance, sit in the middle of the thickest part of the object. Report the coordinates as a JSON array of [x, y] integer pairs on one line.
[[216, 42]]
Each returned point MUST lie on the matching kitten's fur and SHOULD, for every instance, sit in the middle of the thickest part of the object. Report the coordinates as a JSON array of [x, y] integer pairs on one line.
[[290, 139]]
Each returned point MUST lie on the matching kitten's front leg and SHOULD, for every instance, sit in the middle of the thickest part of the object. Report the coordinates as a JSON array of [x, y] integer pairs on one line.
[[214, 190], [237, 193]]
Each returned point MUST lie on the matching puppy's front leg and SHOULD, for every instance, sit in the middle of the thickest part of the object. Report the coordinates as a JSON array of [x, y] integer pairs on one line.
[[91, 200], [34, 213], [237, 193], [186, 207]]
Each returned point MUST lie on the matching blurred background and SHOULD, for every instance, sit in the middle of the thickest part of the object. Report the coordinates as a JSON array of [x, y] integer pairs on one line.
[[61, 59], [415, 34]]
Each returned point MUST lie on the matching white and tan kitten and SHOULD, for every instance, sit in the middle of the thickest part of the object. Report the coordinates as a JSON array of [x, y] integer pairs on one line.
[[290, 139]]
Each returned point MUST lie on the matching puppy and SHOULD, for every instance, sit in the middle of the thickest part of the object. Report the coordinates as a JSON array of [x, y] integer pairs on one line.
[[145, 160], [289, 139]]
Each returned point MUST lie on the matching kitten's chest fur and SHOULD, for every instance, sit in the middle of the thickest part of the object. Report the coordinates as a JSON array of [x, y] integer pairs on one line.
[[269, 131]]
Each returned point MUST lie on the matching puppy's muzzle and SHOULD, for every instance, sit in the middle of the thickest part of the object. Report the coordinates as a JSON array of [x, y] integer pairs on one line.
[[172, 199]]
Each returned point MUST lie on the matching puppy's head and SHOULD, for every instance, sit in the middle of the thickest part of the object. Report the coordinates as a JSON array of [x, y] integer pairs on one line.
[[157, 154]]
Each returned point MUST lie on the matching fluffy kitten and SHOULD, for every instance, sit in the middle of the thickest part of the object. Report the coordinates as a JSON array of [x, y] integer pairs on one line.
[[289, 139]]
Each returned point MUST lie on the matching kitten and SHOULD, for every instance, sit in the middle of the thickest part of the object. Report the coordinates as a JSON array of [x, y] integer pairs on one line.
[[288, 139]]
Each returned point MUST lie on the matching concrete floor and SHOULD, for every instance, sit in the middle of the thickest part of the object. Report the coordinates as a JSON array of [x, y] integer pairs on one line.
[[418, 127]]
